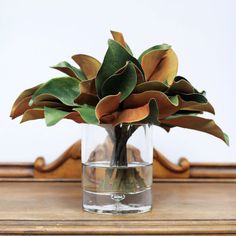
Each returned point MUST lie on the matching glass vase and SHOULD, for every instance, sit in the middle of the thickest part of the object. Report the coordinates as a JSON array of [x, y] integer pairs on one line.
[[117, 168]]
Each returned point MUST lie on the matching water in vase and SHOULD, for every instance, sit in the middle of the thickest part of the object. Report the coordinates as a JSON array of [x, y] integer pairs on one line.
[[117, 190]]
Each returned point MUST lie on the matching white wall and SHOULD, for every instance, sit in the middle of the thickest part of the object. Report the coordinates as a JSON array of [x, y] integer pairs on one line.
[[37, 34]]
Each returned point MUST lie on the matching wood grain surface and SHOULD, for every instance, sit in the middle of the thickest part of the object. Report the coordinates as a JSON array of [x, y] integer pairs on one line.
[[179, 207]]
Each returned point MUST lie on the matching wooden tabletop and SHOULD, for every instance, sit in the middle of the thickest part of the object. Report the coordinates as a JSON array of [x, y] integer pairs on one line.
[[52, 207]]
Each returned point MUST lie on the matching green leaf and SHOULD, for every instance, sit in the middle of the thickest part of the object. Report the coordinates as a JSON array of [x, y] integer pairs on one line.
[[70, 70], [153, 115], [197, 123], [66, 89], [115, 58], [150, 85], [129, 49], [123, 82], [226, 138], [53, 116], [87, 113], [188, 112], [196, 97], [174, 100], [166, 83]]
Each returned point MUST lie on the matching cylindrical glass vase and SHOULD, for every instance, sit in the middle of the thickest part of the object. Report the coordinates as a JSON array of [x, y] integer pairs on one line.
[[117, 168]]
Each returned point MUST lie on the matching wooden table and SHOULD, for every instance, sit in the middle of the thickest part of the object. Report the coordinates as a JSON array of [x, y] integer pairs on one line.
[[49, 207]]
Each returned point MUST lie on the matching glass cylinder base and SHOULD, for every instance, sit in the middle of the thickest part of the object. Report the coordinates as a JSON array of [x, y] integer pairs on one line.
[[133, 182], [117, 169], [109, 203]]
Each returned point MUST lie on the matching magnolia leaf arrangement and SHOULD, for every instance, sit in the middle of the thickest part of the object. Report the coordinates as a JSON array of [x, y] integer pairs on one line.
[[122, 91]]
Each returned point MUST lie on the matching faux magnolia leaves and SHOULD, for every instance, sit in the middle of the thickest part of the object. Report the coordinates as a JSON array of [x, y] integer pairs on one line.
[[122, 89]]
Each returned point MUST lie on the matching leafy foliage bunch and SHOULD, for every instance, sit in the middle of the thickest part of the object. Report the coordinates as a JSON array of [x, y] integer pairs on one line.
[[122, 90]]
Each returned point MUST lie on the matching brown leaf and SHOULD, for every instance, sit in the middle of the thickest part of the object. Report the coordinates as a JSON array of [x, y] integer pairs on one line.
[[88, 87], [75, 116], [19, 108], [108, 119], [132, 115], [44, 97], [196, 123], [118, 37], [165, 106], [52, 104], [32, 114], [160, 65], [150, 62], [21, 103], [180, 86], [108, 105], [85, 98], [89, 65], [195, 106]]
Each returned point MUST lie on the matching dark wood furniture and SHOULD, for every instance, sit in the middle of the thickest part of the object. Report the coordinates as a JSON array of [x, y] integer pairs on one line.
[[53, 207], [188, 199]]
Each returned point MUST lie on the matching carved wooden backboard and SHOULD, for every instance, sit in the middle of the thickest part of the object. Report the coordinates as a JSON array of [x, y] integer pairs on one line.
[[68, 165]]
